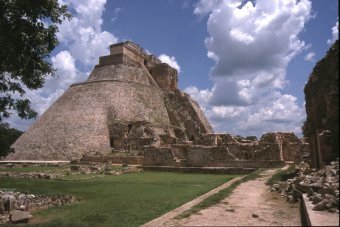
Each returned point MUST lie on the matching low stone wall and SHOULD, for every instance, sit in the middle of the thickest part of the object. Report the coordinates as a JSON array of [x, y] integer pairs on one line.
[[16, 207], [201, 156], [207, 156], [158, 156], [216, 170], [249, 163], [132, 160]]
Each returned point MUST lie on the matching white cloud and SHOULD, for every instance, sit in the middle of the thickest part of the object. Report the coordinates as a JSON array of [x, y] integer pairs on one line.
[[335, 33], [82, 42], [275, 112], [252, 45], [170, 61], [310, 57], [82, 35], [116, 12]]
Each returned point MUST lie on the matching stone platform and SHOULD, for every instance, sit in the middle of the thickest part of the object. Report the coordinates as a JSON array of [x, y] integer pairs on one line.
[[316, 218]]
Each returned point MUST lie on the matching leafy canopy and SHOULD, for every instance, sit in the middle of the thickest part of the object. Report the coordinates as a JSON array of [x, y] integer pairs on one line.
[[27, 37], [7, 137]]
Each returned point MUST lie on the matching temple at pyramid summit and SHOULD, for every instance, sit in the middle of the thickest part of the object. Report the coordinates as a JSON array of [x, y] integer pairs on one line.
[[130, 110]]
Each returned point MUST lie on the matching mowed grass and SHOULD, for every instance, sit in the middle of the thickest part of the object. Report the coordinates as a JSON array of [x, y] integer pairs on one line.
[[124, 200]]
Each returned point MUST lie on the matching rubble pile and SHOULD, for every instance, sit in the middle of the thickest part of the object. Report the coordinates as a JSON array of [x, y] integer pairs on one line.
[[321, 186], [102, 169], [16, 207], [31, 175], [59, 174]]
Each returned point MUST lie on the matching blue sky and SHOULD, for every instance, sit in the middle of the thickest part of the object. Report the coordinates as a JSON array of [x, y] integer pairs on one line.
[[246, 63]]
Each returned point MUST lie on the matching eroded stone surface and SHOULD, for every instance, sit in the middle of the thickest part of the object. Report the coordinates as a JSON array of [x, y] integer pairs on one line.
[[16, 207], [322, 107]]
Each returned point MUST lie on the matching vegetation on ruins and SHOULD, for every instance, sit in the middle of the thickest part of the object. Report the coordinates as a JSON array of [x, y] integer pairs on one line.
[[280, 175], [7, 137], [28, 36], [124, 200]]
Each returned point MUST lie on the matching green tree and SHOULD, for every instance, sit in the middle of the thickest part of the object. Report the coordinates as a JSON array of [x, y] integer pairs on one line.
[[7, 137], [27, 37]]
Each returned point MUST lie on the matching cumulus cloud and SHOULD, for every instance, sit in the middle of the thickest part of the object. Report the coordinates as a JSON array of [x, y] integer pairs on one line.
[[275, 112], [335, 33], [82, 35], [170, 61], [116, 12], [82, 42], [252, 44], [310, 57]]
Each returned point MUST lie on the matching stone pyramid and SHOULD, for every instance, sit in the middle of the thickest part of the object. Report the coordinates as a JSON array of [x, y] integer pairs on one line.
[[129, 101]]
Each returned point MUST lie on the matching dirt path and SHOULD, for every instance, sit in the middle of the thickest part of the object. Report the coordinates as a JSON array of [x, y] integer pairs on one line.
[[251, 204], [160, 221]]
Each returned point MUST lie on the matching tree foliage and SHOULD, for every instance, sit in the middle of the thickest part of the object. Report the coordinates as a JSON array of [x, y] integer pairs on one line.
[[28, 36], [7, 137]]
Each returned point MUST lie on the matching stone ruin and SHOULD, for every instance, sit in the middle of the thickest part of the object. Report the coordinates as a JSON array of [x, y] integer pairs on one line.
[[130, 100], [16, 207], [315, 182], [130, 110], [322, 107], [321, 187], [224, 150]]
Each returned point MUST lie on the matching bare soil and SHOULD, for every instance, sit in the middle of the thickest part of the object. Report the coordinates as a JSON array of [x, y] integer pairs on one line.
[[251, 204]]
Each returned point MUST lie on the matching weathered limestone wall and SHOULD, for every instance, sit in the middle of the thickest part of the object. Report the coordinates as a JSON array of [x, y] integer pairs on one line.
[[200, 156], [161, 156], [120, 73], [322, 107], [185, 113], [78, 122], [165, 76], [289, 144], [131, 160], [224, 150], [214, 139]]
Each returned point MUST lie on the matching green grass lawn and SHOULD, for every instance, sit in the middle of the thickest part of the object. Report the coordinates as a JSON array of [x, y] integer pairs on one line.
[[124, 200]]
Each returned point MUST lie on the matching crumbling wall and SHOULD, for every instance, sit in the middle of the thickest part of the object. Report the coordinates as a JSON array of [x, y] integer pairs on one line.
[[322, 107], [185, 114], [161, 156], [201, 156], [289, 144], [214, 139], [165, 76]]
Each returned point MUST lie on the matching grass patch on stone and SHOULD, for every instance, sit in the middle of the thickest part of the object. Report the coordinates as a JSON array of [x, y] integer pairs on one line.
[[279, 173], [124, 200], [219, 196], [32, 169]]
